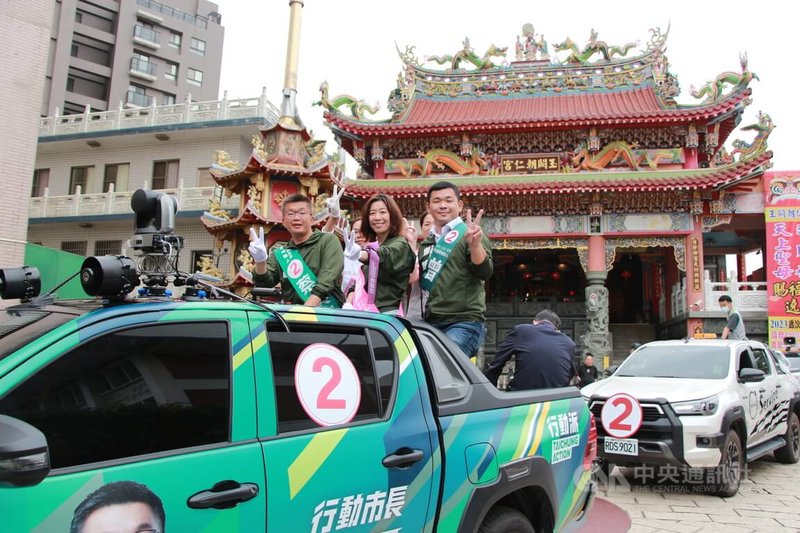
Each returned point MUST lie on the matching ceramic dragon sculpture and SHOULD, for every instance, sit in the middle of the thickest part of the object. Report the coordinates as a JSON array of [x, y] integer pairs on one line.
[[763, 129], [358, 108], [582, 159], [468, 54], [713, 90], [443, 159], [592, 47]]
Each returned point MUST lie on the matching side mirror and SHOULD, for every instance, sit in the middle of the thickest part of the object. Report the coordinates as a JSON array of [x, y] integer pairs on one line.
[[610, 370], [24, 459], [751, 375]]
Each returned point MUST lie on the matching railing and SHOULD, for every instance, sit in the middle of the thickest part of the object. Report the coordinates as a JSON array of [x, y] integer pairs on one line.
[[142, 65], [115, 203], [746, 295], [145, 33], [679, 306], [154, 115], [197, 20]]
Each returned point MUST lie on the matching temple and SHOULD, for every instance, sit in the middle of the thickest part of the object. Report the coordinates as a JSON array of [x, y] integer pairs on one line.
[[605, 199]]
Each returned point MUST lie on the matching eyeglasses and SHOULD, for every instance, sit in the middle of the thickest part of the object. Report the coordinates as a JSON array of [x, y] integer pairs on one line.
[[296, 214]]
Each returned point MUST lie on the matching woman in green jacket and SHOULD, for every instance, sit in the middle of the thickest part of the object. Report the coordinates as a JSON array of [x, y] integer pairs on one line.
[[388, 259]]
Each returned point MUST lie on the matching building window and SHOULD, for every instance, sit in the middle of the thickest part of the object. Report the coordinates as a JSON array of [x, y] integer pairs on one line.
[[108, 248], [79, 176], [204, 178], [175, 40], [116, 175], [74, 247], [171, 71], [168, 99], [41, 179], [165, 174], [73, 51], [195, 77], [78, 16], [90, 402], [71, 84], [198, 46]]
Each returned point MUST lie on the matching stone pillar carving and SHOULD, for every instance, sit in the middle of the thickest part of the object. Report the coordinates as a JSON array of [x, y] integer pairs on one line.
[[597, 338]]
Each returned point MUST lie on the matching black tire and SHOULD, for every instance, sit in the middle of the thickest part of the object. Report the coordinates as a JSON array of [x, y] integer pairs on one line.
[[724, 480], [506, 520], [790, 453]]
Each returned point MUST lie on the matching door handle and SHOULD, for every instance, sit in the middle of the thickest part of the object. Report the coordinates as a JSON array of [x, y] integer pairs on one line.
[[403, 458], [223, 495]]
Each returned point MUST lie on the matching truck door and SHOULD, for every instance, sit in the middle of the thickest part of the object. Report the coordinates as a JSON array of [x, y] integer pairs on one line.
[[150, 426], [342, 424], [773, 395]]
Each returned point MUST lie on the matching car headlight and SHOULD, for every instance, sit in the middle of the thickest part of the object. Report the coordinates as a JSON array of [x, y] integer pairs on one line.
[[706, 406]]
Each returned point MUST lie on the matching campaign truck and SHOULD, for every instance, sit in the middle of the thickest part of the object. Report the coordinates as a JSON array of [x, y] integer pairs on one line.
[[190, 409]]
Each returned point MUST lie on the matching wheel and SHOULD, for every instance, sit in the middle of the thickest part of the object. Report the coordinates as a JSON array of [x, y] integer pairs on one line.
[[724, 480], [505, 520], [790, 453]]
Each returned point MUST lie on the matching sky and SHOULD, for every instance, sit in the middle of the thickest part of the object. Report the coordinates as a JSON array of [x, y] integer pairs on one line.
[[351, 44]]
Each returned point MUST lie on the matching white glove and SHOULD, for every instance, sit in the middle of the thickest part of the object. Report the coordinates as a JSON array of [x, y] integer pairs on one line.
[[332, 203], [257, 248], [352, 250]]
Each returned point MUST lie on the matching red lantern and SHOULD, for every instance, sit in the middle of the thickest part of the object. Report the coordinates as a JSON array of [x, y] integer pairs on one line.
[[626, 274], [555, 276]]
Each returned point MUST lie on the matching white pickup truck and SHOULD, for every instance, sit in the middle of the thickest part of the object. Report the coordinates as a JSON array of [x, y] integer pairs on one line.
[[709, 405]]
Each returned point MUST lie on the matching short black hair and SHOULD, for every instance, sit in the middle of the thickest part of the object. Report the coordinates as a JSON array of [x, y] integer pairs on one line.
[[725, 298], [549, 316], [117, 493], [296, 198], [442, 185]]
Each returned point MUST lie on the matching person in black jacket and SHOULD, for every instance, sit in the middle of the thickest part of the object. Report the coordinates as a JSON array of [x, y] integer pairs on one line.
[[588, 372], [544, 355]]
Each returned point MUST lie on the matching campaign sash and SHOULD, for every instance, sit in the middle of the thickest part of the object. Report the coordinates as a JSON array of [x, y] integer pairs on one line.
[[300, 275], [440, 254]]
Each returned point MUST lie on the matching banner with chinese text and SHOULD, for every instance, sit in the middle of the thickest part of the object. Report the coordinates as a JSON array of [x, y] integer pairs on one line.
[[782, 215]]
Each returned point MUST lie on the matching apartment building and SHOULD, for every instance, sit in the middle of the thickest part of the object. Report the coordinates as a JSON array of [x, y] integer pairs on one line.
[[88, 165], [131, 53]]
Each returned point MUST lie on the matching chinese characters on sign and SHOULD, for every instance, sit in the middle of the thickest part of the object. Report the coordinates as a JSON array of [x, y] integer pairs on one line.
[[357, 509], [530, 163], [696, 265], [782, 215], [563, 429]]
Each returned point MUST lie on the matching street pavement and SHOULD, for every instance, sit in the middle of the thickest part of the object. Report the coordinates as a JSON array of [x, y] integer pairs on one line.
[[768, 501]]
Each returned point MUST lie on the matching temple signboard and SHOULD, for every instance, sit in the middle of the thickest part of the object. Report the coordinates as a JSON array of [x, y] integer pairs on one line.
[[529, 163], [782, 215]]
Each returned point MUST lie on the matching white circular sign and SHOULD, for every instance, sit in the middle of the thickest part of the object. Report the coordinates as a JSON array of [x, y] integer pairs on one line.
[[621, 416], [295, 268], [450, 237], [327, 385]]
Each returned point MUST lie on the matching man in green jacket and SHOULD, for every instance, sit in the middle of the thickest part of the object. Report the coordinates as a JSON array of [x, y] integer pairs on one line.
[[455, 262], [309, 267]]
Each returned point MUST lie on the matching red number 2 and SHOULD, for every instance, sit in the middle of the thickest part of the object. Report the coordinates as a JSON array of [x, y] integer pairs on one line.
[[324, 401], [617, 424]]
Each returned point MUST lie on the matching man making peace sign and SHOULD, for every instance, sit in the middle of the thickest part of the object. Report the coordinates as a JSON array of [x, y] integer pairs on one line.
[[455, 261]]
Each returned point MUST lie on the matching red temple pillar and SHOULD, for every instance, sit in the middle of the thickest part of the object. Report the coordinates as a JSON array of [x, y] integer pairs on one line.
[[380, 170], [690, 158], [741, 267]]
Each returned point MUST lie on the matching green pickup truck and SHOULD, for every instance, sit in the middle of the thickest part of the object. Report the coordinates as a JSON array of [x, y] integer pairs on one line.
[[197, 414]]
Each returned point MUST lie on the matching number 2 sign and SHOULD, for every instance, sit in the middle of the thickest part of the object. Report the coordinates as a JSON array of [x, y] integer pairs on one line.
[[327, 385], [621, 416]]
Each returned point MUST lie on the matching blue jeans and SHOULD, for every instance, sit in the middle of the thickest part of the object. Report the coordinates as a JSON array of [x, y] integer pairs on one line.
[[467, 335]]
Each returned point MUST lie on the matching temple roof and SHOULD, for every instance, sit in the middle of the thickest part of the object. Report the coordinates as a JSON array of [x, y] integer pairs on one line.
[[702, 178], [639, 105], [544, 88]]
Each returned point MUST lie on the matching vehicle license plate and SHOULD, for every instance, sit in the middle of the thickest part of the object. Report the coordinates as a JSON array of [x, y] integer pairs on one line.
[[621, 446]]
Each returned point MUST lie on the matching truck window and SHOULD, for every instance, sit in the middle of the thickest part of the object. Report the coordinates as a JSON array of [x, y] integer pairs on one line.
[[450, 382], [132, 392], [761, 360], [285, 349]]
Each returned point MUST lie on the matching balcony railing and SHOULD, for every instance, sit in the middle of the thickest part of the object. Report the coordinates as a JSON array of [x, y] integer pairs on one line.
[[115, 203], [746, 295], [137, 99], [149, 114], [145, 34], [175, 13], [143, 66]]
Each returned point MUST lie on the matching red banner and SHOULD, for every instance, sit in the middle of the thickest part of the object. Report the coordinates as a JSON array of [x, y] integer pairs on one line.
[[782, 215]]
